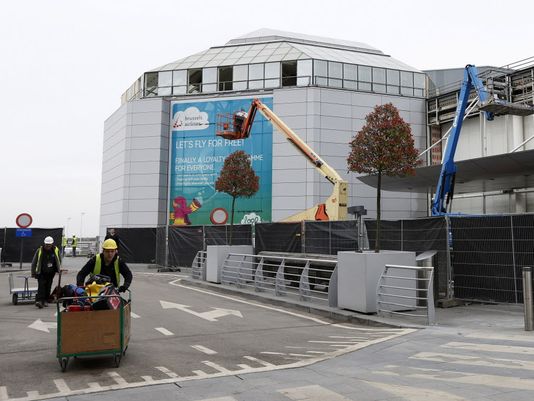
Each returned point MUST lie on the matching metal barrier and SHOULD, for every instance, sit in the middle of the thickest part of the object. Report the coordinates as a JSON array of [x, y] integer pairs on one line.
[[406, 290], [307, 278], [198, 267]]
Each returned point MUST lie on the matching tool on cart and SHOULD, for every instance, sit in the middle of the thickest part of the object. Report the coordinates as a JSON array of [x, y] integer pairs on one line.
[[57, 292]]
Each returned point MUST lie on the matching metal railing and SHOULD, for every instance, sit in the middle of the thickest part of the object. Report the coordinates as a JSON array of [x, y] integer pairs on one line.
[[198, 267], [406, 291], [309, 279]]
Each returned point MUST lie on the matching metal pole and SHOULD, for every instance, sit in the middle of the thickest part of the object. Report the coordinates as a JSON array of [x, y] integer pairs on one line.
[[527, 298], [21, 248]]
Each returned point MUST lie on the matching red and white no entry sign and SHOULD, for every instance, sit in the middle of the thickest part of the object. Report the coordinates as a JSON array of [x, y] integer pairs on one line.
[[24, 220]]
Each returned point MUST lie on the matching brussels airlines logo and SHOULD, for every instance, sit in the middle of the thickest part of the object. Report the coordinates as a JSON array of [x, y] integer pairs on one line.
[[190, 119]]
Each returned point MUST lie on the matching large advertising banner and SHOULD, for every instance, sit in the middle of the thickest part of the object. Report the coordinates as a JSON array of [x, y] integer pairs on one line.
[[197, 157]]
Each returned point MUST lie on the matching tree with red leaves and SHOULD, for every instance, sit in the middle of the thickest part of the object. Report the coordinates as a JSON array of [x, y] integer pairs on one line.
[[384, 146], [237, 179]]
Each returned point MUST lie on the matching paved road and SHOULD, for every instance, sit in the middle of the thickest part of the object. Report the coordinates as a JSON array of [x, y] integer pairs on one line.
[[179, 334]]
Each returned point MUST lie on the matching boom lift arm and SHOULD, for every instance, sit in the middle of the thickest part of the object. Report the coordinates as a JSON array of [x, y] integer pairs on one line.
[[335, 207], [445, 187]]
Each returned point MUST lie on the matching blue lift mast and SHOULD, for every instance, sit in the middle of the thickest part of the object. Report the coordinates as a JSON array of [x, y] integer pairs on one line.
[[445, 188]]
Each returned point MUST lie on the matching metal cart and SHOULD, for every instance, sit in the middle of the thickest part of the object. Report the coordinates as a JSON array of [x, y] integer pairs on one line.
[[94, 332], [25, 293]]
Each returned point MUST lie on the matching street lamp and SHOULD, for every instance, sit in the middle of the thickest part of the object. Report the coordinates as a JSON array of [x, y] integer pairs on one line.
[[81, 225]]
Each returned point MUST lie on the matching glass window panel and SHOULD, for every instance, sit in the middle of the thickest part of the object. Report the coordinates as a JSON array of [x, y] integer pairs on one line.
[[379, 75], [209, 75], [406, 91], [151, 84], [272, 70], [240, 77], [379, 88], [419, 81], [272, 83], [393, 89], [418, 92], [364, 86], [209, 87], [335, 70], [347, 84], [164, 78], [364, 74], [393, 77], [350, 72], [194, 80], [289, 73], [225, 78], [320, 71], [304, 72], [406, 78], [255, 76]]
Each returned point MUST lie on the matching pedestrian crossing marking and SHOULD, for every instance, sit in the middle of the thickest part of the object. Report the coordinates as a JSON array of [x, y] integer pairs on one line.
[[166, 371], [61, 385], [203, 349], [3, 393], [460, 377], [490, 348], [414, 393], [216, 366], [312, 393], [474, 360], [118, 378], [164, 331]]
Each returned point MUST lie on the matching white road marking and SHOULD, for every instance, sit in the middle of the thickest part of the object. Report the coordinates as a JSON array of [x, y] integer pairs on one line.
[[311, 393], [43, 326], [203, 349], [302, 355], [244, 366], [261, 362], [219, 399], [3, 393], [317, 352], [216, 367], [118, 378], [210, 316], [474, 360], [168, 372], [94, 386], [134, 315], [200, 373], [62, 385], [490, 348], [414, 393], [508, 337], [272, 353], [148, 379], [465, 378], [164, 331]]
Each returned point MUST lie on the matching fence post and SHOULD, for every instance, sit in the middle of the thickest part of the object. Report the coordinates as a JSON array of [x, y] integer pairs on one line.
[[450, 279], [527, 298]]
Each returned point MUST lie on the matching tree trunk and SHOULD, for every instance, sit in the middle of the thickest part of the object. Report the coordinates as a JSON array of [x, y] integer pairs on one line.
[[378, 199], [232, 221]]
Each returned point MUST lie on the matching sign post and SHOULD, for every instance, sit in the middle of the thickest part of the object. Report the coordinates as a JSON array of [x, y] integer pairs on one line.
[[23, 220]]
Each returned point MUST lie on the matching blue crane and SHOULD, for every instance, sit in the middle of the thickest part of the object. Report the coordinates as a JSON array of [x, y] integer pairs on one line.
[[445, 188]]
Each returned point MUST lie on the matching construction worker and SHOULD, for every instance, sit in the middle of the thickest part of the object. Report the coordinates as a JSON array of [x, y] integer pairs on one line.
[[45, 264], [63, 245], [107, 263], [74, 245]]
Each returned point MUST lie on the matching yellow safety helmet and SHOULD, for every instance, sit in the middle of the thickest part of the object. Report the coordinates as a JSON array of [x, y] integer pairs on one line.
[[109, 244]]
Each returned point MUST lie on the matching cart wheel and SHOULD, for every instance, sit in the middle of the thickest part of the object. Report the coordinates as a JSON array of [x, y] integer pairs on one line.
[[63, 363], [117, 359], [15, 299]]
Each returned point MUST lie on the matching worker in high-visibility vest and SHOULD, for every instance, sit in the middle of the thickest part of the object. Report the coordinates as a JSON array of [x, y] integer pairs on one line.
[[74, 245], [63, 245], [45, 264], [107, 263]]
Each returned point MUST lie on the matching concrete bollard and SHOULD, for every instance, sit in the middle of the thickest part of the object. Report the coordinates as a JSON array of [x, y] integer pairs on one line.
[[527, 298]]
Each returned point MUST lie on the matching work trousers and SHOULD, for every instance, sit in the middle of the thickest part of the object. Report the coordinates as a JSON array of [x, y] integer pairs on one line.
[[44, 287]]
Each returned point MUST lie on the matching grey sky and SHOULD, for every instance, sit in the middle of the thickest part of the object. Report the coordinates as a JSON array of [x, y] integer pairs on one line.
[[65, 64]]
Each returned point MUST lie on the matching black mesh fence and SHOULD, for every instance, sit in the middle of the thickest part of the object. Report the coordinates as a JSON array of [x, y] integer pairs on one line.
[[220, 235], [161, 245], [184, 243], [416, 235], [11, 244], [488, 255], [278, 237], [329, 237], [137, 244]]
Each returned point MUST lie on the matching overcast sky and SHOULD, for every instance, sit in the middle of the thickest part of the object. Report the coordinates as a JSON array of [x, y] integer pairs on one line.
[[65, 63]]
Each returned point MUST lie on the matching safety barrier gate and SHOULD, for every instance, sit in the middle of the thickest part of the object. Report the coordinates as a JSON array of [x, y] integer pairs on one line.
[[198, 267], [407, 291], [310, 279]]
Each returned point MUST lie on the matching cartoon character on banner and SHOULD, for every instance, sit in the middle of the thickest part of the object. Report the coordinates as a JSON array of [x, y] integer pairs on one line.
[[182, 210]]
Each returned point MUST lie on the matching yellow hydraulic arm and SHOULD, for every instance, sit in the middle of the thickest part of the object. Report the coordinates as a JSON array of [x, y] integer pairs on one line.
[[335, 207]]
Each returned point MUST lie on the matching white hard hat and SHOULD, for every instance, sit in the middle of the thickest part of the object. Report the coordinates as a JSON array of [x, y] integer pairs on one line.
[[49, 240]]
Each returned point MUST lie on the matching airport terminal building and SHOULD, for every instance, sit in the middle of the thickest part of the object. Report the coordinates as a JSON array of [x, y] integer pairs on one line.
[[162, 154]]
